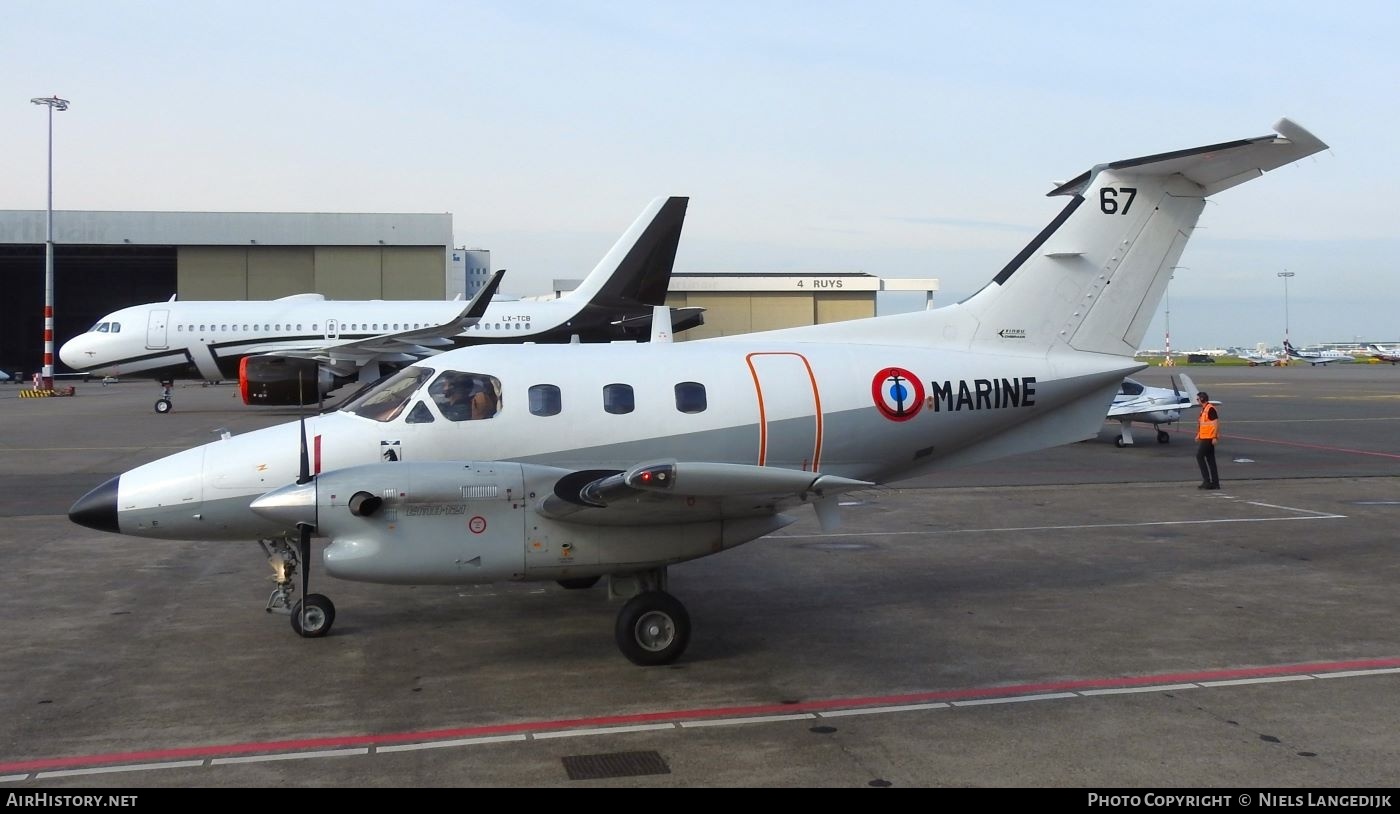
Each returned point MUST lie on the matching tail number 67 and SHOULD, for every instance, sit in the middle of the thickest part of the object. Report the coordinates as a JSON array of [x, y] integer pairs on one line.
[[1109, 200]]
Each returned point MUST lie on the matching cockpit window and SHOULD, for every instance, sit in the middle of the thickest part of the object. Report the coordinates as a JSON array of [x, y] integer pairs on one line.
[[385, 401], [116, 327], [466, 396], [102, 327], [1130, 388], [420, 414]]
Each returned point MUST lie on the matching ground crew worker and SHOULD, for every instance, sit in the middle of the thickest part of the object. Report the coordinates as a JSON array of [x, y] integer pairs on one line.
[[1207, 433]]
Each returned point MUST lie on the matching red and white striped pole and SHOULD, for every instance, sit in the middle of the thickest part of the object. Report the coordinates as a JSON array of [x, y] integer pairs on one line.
[[53, 103]]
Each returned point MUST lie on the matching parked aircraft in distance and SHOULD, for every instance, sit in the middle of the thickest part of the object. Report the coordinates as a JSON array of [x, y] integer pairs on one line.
[[1317, 357], [1150, 405], [296, 349], [1378, 352], [569, 463], [1256, 359]]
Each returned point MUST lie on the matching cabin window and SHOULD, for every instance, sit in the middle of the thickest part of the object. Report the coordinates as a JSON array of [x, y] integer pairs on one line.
[[180, 328], [690, 397], [420, 414], [298, 326], [245, 328], [618, 399], [466, 396], [223, 327], [313, 327], [545, 400]]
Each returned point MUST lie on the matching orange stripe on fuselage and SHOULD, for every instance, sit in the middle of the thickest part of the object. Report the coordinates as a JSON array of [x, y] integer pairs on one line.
[[763, 413]]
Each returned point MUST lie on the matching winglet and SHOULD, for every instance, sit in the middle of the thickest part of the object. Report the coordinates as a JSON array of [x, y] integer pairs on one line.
[[477, 307]]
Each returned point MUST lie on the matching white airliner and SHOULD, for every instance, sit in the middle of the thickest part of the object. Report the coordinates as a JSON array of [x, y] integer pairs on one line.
[[296, 349], [1150, 405], [1380, 353], [573, 462], [1316, 357]]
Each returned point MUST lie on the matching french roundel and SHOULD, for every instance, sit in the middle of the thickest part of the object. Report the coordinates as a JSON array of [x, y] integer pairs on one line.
[[898, 393]]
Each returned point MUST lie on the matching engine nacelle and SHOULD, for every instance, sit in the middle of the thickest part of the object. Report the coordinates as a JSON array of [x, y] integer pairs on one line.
[[281, 381]]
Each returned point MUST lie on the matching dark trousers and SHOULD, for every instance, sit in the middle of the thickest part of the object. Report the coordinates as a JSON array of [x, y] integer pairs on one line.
[[1205, 457]]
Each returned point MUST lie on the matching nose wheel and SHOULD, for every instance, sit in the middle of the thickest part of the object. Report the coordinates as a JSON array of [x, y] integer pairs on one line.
[[164, 404], [311, 617]]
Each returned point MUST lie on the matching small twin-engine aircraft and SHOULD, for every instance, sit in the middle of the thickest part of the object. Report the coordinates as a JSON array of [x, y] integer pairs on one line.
[[1381, 354], [296, 349], [1316, 357], [570, 463], [1150, 405], [1257, 359]]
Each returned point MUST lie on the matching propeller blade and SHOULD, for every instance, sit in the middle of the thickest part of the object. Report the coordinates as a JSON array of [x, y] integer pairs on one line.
[[305, 552]]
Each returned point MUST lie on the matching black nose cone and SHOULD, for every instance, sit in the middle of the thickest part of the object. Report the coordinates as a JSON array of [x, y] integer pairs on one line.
[[98, 509]]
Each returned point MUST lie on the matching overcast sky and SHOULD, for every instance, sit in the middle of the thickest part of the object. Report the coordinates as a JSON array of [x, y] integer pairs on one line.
[[901, 139]]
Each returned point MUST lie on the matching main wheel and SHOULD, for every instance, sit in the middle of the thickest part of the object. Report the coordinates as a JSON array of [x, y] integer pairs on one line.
[[164, 406], [320, 615], [1118, 442], [653, 628], [1163, 437], [579, 583]]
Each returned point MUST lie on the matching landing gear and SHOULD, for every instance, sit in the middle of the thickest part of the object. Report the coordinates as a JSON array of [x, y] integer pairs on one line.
[[653, 628], [164, 405], [1125, 434], [312, 617], [1118, 442], [319, 610], [1163, 437]]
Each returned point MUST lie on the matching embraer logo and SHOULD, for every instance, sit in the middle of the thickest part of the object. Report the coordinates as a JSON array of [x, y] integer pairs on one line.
[[898, 393]]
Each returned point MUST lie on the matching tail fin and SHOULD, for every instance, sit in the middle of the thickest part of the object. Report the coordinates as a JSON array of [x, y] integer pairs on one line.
[[1188, 388], [637, 269], [1290, 350], [1094, 277]]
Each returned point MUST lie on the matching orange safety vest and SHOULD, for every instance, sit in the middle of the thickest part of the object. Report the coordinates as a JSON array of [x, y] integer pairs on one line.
[[1209, 427]]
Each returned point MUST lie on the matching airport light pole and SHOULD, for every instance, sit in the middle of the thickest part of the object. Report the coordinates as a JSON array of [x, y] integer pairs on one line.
[[1167, 295], [53, 103], [1285, 275]]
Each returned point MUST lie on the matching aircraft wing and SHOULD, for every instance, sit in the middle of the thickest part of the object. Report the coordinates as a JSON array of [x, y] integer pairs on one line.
[[403, 346], [681, 319], [1146, 404], [670, 492]]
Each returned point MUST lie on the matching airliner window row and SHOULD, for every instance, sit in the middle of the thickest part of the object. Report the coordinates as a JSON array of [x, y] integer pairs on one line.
[[116, 327]]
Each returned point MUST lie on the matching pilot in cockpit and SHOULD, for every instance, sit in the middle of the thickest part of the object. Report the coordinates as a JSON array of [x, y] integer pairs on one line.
[[466, 397]]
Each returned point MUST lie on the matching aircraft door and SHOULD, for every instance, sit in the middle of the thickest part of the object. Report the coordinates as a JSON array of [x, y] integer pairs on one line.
[[332, 329], [789, 410], [156, 330]]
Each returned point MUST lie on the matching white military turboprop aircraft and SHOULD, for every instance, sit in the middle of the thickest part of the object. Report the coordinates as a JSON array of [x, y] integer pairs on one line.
[[297, 349], [574, 462], [1150, 405]]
